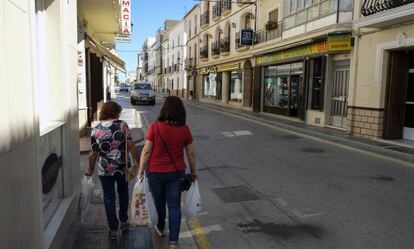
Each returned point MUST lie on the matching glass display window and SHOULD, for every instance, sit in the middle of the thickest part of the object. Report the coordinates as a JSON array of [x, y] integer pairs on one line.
[[236, 86]]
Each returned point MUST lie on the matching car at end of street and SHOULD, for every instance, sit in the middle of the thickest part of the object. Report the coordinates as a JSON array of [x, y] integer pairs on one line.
[[142, 92], [124, 87]]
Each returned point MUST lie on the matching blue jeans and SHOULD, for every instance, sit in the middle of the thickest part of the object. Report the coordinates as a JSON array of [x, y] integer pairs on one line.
[[165, 188], [108, 186]]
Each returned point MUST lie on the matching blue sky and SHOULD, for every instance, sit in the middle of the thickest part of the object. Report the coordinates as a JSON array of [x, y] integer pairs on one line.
[[147, 17]]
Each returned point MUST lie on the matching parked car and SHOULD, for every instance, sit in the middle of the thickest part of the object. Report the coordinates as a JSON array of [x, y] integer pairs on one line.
[[124, 87], [142, 92]]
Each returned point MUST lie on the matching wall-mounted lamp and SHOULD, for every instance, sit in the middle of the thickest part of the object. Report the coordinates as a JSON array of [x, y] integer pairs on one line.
[[210, 36], [220, 31], [233, 24]]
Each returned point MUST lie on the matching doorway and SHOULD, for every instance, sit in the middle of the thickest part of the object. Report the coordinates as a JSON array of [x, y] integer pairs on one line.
[[399, 103], [339, 97]]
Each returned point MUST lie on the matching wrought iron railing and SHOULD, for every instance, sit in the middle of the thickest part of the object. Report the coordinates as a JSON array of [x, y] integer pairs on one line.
[[370, 7], [217, 10], [215, 48], [204, 52], [268, 34], [189, 64], [237, 39], [204, 18], [225, 45], [225, 5]]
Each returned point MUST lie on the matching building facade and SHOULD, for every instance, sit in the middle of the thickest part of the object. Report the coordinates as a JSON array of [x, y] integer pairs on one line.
[[176, 55], [225, 74], [39, 148], [382, 80], [191, 28]]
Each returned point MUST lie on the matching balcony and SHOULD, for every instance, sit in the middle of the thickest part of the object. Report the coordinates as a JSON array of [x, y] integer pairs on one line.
[[189, 64], [204, 19], [225, 7], [215, 48], [269, 33], [217, 11], [385, 13], [204, 52], [225, 45]]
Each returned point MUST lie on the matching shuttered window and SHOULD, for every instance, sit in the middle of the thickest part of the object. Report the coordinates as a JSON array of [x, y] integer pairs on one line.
[[273, 15]]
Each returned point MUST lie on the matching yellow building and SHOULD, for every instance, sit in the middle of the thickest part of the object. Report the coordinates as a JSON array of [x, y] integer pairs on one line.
[[381, 103]]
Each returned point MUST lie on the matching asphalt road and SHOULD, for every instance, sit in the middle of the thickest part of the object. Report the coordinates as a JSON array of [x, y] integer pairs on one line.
[[264, 188]]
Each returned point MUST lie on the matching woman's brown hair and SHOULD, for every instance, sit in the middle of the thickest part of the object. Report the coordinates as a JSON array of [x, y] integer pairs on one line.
[[173, 111], [110, 110]]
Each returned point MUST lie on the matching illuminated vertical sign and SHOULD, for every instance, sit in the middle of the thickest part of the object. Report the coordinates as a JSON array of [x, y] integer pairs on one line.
[[126, 17]]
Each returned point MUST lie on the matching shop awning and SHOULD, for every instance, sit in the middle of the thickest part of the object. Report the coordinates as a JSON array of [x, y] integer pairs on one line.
[[105, 53]]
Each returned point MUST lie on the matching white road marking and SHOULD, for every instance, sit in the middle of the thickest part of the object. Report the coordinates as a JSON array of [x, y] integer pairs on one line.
[[236, 133], [227, 133], [303, 216], [242, 133]]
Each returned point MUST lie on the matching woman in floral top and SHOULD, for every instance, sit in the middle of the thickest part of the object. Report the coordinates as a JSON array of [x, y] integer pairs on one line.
[[108, 140]]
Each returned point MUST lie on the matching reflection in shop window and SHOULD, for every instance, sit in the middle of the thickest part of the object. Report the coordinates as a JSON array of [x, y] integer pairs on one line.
[[212, 86], [317, 84], [236, 86]]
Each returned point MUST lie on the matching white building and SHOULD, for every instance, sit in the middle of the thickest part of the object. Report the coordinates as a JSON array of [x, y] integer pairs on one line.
[[175, 54], [39, 145]]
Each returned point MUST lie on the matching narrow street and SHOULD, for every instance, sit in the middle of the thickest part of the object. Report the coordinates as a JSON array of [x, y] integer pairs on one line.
[[263, 188]]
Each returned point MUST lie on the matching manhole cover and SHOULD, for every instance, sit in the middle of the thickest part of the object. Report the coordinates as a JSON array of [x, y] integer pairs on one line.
[[201, 137], [291, 137], [313, 150], [235, 194]]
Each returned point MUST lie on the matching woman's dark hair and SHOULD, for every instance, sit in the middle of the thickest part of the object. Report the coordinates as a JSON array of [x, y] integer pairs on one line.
[[173, 111], [110, 110]]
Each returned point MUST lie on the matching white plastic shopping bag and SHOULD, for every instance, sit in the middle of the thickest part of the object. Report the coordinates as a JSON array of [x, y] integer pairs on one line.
[[192, 205], [87, 188], [143, 210]]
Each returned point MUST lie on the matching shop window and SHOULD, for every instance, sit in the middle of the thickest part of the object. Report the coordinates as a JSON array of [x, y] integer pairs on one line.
[[276, 86], [236, 86], [212, 86], [317, 84]]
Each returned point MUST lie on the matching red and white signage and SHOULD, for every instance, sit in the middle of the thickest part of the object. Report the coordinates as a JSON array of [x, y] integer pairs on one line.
[[126, 17]]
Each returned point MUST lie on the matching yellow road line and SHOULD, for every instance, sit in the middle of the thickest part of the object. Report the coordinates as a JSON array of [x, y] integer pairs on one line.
[[199, 235], [347, 147]]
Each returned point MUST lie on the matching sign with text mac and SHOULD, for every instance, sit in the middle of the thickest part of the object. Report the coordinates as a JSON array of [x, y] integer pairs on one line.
[[126, 17], [246, 37]]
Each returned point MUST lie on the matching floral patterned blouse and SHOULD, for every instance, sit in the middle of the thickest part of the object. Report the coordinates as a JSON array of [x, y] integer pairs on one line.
[[108, 139]]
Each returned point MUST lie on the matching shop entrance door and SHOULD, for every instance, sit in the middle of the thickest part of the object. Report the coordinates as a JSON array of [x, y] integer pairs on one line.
[[408, 131], [396, 96], [339, 97]]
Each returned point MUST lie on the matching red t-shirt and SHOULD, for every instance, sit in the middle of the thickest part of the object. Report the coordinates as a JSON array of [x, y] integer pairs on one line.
[[175, 138]]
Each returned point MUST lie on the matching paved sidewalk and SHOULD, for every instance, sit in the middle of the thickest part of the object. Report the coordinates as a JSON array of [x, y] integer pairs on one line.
[[400, 150], [93, 233]]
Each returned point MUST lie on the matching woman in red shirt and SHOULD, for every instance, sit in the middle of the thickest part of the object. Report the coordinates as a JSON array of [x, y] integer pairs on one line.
[[163, 158]]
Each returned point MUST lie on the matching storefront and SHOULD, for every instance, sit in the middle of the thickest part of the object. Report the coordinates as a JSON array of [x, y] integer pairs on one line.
[[222, 83], [296, 82]]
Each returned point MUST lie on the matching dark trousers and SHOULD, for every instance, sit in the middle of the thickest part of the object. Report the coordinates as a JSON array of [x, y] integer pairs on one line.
[[165, 188], [108, 186]]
